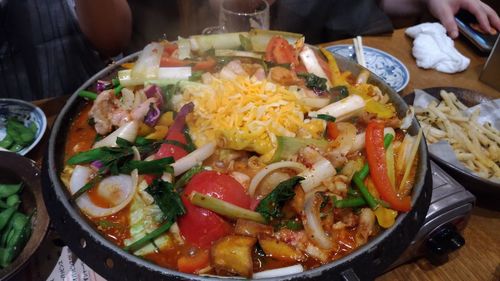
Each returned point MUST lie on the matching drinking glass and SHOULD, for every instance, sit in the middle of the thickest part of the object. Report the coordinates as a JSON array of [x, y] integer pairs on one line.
[[241, 15]]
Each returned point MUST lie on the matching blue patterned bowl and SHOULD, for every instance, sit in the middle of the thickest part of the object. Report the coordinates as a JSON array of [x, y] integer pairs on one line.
[[387, 67], [23, 111]]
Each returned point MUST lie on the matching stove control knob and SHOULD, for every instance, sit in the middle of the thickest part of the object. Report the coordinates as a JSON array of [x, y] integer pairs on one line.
[[442, 242]]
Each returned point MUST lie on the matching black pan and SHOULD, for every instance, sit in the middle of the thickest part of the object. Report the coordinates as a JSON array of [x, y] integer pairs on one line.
[[113, 263]]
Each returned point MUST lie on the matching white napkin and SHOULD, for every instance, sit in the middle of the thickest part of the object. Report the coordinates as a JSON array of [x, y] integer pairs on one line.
[[432, 48]]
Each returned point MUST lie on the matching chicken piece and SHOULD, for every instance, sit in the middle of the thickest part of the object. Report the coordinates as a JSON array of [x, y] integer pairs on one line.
[[283, 76], [365, 227]]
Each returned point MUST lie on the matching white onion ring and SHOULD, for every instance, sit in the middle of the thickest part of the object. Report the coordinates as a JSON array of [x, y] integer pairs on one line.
[[320, 171], [277, 272], [312, 224], [271, 167], [194, 158], [81, 175]]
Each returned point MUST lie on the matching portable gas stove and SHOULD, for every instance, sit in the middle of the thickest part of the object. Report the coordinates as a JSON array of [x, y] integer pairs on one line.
[[448, 214]]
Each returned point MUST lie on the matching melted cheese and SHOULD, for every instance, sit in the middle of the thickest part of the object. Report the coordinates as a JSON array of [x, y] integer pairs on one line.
[[247, 114]]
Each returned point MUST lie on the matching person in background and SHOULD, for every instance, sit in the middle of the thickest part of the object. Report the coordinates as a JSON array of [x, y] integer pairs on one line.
[[43, 53], [50, 47]]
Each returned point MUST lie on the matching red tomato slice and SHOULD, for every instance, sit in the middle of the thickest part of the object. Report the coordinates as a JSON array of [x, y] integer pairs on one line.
[[200, 226], [278, 50], [167, 150]]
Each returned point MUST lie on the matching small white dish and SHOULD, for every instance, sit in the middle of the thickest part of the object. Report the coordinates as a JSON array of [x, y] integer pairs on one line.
[[23, 111], [386, 66]]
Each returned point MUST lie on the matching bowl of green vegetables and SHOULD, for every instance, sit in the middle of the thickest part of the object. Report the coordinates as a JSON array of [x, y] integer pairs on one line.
[[23, 217], [22, 125]]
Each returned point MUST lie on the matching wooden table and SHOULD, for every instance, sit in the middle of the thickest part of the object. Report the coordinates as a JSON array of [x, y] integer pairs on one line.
[[479, 259]]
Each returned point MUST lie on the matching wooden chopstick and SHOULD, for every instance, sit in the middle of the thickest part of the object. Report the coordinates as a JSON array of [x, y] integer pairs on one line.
[[358, 49]]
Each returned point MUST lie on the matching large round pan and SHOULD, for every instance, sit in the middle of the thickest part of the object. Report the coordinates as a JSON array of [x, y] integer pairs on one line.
[[113, 263]]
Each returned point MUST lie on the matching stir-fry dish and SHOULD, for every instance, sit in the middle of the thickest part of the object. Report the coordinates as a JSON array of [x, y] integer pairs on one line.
[[241, 154]]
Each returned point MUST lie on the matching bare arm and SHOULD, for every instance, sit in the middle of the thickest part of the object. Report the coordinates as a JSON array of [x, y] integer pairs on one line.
[[107, 24], [444, 10]]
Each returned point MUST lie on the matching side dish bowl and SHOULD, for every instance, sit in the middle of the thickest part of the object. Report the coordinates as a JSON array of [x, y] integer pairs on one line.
[[474, 183], [14, 169], [112, 262], [26, 113]]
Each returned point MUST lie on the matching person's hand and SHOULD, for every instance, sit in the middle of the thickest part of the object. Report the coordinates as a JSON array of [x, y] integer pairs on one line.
[[445, 11]]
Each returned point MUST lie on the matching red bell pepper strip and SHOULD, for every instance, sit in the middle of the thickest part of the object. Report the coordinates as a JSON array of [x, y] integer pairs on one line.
[[378, 167]]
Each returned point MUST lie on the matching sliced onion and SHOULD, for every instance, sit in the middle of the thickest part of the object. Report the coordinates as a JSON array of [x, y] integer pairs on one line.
[[194, 158], [406, 122], [312, 225], [315, 103], [312, 65], [183, 72], [271, 167], [137, 154], [289, 270], [320, 171], [106, 188], [97, 165], [128, 131]]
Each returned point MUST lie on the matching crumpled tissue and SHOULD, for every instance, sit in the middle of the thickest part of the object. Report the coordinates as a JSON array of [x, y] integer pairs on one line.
[[432, 48]]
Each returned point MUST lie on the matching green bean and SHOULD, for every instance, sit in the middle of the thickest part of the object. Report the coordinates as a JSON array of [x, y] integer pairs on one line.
[[349, 202], [7, 190], [5, 216], [364, 191], [87, 95], [3, 205]]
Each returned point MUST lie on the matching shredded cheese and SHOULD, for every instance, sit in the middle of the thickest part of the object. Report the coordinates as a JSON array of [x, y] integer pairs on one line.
[[247, 114]]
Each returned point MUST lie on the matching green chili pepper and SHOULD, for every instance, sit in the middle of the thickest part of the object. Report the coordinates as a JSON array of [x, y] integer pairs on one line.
[[7, 190]]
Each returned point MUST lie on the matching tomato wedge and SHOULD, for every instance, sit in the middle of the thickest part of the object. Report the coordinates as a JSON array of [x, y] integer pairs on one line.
[[375, 154], [278, 50], [200, 226]]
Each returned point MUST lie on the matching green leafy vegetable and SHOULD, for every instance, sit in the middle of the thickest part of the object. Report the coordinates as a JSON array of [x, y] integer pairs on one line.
[[167, 199], [171, 206], [270, 206], [313, 81]]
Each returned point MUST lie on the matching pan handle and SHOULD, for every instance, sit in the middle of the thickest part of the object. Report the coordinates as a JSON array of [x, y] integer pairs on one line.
[[349, 275]]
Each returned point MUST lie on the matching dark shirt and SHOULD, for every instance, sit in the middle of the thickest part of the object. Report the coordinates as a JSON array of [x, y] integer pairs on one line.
[[327, 20], [43, 53]]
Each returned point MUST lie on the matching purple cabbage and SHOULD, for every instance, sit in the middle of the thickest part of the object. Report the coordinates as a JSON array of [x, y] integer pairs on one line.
[[180, 119], [103, 85], [153, 115], [153, 91]]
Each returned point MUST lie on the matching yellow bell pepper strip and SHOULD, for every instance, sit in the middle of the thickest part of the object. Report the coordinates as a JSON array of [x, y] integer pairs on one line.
[[385, 217], [378, 167], [336, 78]]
